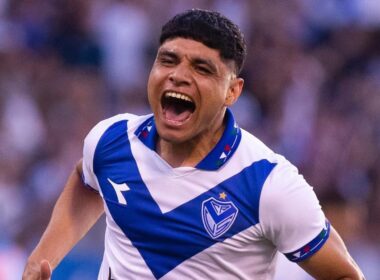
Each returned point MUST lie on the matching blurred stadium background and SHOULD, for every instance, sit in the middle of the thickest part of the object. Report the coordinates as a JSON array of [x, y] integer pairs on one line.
[[312, 93]]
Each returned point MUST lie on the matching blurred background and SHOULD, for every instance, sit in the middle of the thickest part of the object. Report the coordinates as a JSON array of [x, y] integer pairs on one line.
[[312, 93]]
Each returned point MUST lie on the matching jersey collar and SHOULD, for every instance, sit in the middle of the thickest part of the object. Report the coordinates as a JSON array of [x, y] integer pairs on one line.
[[217, 157]]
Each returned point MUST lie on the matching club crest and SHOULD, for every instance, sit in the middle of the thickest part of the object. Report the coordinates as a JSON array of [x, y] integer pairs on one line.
[[218, 216]]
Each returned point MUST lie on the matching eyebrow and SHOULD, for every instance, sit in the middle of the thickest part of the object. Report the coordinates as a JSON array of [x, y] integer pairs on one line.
[[169, 53]]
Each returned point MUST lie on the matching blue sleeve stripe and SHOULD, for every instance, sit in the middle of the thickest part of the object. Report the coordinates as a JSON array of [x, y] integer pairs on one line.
[[312, 247]]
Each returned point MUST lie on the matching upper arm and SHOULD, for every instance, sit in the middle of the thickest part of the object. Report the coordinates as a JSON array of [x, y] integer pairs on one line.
[[292, 218], [290, 214], [90, 145], [332, 261]]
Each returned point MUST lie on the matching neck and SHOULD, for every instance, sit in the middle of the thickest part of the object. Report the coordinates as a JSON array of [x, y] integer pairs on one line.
[[191, 152]]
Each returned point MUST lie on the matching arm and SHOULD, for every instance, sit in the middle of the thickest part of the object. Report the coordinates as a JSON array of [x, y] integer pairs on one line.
[[76, 211], [292, 218], [332, 261]]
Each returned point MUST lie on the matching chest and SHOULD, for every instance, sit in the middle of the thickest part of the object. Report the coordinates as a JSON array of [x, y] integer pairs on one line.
[[171, 215]]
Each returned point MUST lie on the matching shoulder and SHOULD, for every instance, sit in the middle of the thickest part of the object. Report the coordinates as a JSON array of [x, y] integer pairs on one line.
[[284, 180], [289, 211], [93, 138], [283, 171], [285, 184], [252, 150], [124, 124], [101, 127]]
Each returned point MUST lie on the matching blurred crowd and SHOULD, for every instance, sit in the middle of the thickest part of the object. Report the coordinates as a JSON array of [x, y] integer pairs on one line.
[[312, 93]]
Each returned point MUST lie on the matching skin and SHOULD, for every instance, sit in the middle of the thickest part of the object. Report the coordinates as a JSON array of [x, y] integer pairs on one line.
[[76, 211], [191, 68], [332, 261]]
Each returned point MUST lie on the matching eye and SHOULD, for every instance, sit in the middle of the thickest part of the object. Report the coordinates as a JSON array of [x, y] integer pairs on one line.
[[203, 70], [166, 62]]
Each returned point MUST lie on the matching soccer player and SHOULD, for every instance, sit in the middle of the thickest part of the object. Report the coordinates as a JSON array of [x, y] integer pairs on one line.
[[187, 193]]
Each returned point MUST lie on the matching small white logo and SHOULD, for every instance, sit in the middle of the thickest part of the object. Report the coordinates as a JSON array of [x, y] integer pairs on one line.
[[119, 188]]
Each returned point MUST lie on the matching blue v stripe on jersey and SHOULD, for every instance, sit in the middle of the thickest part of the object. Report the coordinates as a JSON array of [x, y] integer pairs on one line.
[[166, 240]]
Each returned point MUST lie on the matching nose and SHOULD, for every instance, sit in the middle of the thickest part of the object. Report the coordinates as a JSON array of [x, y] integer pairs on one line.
[[180, 76]]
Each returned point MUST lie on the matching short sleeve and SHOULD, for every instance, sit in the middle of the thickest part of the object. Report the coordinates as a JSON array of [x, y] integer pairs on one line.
[[89, 148], [290, 213]]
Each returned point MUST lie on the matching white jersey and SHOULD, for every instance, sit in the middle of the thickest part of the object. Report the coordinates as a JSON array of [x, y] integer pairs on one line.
[[226, 218]]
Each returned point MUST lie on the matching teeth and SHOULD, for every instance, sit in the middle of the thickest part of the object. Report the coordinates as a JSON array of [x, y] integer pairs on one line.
[[178, 95]]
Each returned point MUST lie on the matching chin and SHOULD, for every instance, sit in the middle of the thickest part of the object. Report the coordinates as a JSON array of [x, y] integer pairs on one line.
[[175, 137]]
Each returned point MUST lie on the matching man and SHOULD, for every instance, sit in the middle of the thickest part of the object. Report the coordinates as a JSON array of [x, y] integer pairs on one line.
[[187, 193]]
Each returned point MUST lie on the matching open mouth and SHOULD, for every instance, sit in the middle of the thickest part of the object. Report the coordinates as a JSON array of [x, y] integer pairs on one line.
[[177, 107]]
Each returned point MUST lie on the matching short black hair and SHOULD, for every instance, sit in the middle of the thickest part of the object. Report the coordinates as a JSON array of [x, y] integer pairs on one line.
[[210, 28]]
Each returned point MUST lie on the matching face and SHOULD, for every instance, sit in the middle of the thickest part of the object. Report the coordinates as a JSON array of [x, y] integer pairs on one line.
[[189, 88]]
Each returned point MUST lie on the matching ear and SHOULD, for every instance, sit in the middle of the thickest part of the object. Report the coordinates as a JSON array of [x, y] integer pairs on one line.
[[234, 91]]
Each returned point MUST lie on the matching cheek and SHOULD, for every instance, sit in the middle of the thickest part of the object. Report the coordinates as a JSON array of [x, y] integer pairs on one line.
[[152, 79], [153, 86], [212, 104], [216, 96]]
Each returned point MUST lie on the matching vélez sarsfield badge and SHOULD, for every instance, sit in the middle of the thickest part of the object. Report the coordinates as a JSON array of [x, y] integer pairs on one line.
[[218, 216]]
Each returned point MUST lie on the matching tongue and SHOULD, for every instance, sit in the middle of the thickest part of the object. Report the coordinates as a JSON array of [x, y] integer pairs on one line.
[[173, 113]]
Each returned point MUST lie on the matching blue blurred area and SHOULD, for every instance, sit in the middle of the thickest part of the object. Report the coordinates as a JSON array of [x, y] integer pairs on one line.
[[312, 93], [83, 262], [78, 265]]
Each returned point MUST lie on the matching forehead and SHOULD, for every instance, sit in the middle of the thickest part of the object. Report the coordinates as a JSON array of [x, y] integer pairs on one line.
[[190, 48]]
